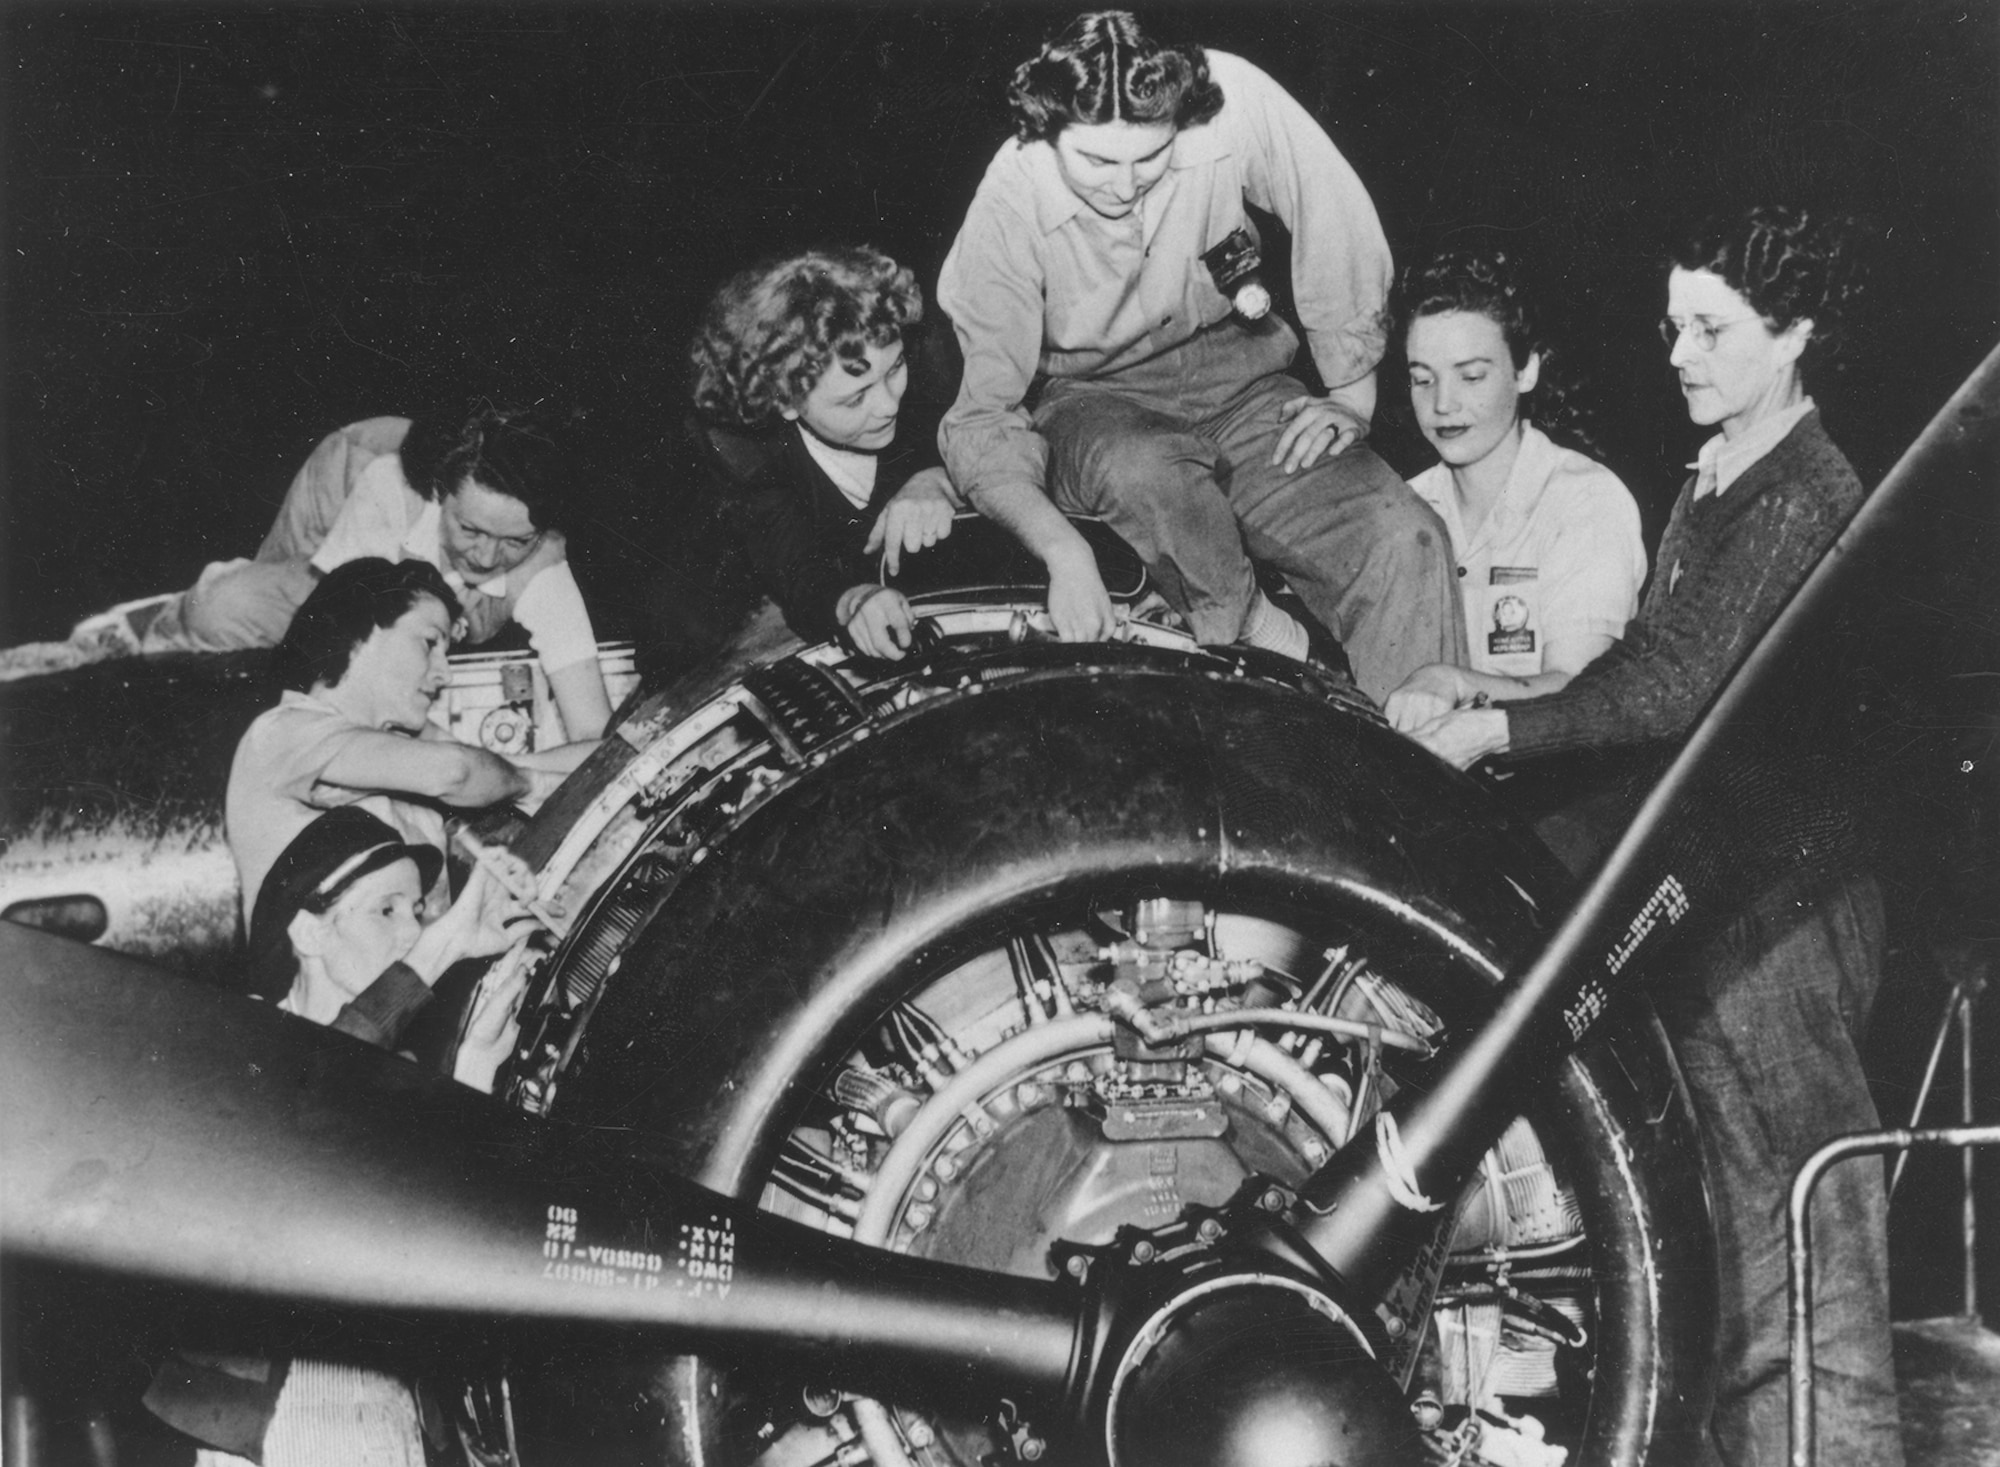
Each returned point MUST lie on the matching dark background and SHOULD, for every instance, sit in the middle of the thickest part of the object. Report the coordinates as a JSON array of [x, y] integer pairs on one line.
[[231, 228]]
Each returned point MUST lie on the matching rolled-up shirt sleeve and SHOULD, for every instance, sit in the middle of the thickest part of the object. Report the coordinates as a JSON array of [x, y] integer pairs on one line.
[[1341, 267], [991, 288], [550, 609]]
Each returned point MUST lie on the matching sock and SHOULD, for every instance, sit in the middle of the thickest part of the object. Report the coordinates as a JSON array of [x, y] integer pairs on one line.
[[1274, 630]]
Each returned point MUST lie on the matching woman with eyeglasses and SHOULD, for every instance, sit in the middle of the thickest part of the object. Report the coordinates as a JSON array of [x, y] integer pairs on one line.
[[479, 500], [1545, 539], [483, 505], [1769, 1004]]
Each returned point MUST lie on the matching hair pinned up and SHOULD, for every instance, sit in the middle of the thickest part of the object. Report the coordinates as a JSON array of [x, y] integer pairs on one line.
[[1791, 265], [1488, 283], [1105, 68], [345, 609]]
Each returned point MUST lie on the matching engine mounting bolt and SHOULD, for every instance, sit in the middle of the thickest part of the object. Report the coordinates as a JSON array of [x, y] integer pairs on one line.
[[1272, 1201], [1395, 1326], [1143, 1251], [1032, 1448], [1209, 1231], [918, 1433], [1314, 1152], [1077, 1266]]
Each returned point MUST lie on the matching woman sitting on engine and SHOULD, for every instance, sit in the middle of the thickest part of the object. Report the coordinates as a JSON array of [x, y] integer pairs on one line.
[[799, 373], [1546, 540]]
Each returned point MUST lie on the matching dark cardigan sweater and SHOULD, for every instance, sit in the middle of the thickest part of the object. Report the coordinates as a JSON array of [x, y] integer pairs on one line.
[[799, 533], [1726, 566]]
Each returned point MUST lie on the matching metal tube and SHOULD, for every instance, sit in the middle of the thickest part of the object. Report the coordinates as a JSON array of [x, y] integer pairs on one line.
[[1930, 1075], [1968, 1202], [1798, 1239], [158, 1126]]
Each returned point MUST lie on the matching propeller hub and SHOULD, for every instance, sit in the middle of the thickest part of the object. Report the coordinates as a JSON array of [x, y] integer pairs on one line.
[[1255, 1370]]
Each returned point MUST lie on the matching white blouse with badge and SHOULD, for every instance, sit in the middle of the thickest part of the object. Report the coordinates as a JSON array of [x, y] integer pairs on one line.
[[1560, 555]]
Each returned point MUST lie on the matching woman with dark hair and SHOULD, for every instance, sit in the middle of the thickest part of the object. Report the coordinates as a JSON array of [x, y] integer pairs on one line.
[[1767, 1014], [361, 665], [1547, 540], [485, 505], [482, 500], [1104, 257], [799, 373]]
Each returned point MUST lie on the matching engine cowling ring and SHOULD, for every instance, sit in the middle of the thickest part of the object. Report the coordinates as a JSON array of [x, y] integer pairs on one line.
[[896, 853]]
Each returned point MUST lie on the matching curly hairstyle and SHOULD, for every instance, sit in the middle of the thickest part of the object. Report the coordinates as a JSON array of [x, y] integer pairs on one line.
[[771, 333], [1105, 68], [512, 451], [344, 610], [1791, 265], [1488, 282]]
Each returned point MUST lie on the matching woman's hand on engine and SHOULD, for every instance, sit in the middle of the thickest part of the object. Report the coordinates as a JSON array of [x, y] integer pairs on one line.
[[1464, 737], [493, 1022], [877, 619], [1426, 694], [918, 517]]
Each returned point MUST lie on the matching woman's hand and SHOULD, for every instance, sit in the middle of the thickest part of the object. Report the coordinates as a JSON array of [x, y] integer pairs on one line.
[[1078, 603], [493, 1021], [877, 620], [1465, 737], [485, 919], [1426, 694], [484, 616], [917, 517], [1317, 428]]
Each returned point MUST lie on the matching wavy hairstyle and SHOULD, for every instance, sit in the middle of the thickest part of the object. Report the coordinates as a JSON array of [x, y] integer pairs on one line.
[[344, 610], [1105, 68], [771, 333], [1488, 282], [1791, 265], [512, 451]]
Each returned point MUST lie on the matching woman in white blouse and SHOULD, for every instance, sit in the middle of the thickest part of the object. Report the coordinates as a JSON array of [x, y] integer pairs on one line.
[[1545, 540]]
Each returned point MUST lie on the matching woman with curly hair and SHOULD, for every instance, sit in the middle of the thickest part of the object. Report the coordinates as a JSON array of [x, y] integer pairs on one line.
[[1550, 558], [1768, 1009], [1102, 257], [799, 373]]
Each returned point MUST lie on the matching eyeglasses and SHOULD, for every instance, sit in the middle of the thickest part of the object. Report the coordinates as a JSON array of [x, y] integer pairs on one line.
[[512, 546], [1700, 328]]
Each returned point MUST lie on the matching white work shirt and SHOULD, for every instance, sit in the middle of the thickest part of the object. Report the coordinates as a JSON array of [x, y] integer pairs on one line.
[[1559, 556], [385, 517]]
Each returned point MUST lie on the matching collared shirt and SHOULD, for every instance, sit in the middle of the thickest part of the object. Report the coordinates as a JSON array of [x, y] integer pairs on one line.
[[853, 474], [1558, 556], [385, 517], [1721, 462], [1038, 282]]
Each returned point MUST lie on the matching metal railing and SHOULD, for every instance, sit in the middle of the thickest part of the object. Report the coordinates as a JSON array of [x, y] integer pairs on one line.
[[1798, 1223]]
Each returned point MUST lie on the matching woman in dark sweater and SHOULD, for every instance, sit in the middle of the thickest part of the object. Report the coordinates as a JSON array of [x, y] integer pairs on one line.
[[800, 371], [1767, 1014]]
